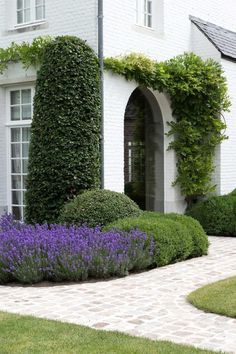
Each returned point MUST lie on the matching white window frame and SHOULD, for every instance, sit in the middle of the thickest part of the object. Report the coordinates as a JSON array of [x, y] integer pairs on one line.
[[15, 124], [143, 15], [33, 17]]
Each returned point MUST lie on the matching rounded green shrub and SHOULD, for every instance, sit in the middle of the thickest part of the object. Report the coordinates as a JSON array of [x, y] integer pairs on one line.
[[173, 234], [64, 154], [200, 240], [217, 215], [98, 207]]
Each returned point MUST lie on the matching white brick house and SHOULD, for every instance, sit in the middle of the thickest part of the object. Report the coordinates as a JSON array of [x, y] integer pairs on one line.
[[160, 29]]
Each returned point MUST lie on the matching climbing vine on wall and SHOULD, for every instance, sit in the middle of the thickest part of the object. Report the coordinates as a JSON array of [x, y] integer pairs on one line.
[[198, 95]]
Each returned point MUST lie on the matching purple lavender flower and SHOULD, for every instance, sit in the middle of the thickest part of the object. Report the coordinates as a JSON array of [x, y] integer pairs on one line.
[[30, 254]]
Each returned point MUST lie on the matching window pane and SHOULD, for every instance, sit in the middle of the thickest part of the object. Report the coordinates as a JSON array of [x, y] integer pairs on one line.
[[16, 198], [26, 96], [39, 2], [149, 21], [149, 9], [20, 17], [23, 197], [15, 135], [15, 113], [15, 97], [27, 4], [27, 15], [15, 150], [16, 166], [25, 150], [19, 4], [26, 112], [17, 213], [26, 134], [24, 182], [16, 182], [39, 13], [25, 166]]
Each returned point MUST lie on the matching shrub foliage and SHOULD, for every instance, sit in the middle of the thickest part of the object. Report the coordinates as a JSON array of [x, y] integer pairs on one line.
[[98, 207], [176, 237], [217, 215], [64, 150]]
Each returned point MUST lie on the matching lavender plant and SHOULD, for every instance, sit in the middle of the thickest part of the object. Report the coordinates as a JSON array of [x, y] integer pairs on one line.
[[30, 254]]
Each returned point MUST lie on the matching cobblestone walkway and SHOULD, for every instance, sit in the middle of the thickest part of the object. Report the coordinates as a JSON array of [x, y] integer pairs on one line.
[[151, 304]]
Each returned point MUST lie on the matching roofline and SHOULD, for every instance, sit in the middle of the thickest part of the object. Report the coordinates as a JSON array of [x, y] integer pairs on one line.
[[192, 18]]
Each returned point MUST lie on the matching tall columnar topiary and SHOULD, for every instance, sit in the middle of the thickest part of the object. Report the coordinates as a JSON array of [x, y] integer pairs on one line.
[[64, 150]]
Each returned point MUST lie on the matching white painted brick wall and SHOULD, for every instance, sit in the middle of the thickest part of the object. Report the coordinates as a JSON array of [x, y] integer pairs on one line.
[[72, 17], [122, 35], [228, 147]]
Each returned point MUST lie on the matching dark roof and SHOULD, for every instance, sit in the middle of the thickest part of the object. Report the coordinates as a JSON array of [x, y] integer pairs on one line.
[[223, 39]]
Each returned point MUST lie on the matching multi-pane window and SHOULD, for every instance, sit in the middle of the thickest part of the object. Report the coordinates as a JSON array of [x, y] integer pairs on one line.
[[19, 167], [21, 105], [145, 13], [29, 11], [20, 117], [23, 11]]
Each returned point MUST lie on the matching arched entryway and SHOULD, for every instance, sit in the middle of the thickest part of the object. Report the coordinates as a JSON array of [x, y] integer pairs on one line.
[[144, 150]]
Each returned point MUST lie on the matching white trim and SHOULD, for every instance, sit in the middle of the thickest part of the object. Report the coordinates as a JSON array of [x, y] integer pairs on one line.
[[33, 21], [14, 124], [30, 24]]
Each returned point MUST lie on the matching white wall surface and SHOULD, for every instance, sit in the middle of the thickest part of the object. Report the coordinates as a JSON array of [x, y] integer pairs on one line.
[[123, 36], [73, 17], [228, 147]]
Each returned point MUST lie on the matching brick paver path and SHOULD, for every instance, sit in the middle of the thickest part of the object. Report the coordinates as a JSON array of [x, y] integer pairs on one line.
[[151, 304]]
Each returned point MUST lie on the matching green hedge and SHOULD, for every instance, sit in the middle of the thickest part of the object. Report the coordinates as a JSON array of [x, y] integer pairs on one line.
[[217, 215], [98, 207], [177, 237], [64, 156]]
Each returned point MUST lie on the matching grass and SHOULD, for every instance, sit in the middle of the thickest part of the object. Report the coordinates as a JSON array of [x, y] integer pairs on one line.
[[219, 298], [29, 335]]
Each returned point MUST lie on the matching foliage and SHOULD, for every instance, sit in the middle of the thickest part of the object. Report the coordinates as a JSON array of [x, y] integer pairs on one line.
[[198, 93], [217, 215], [219, 297], [64, 156], [173, 240], [29, 54], [28, 334], [200, 241], [98, 207], [34, 253]]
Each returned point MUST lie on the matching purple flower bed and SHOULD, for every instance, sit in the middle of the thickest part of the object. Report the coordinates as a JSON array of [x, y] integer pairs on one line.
[[30, 254]]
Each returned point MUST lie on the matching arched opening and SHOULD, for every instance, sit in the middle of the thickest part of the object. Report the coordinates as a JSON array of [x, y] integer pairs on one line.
[[144, 151]]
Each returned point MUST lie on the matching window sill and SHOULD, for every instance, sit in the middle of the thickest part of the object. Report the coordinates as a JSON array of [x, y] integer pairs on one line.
[[149, 31], [30, 24], [25, 27]]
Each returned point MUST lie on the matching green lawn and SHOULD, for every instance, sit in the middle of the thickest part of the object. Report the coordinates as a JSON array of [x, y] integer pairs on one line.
[[218, 298], [29, 335]]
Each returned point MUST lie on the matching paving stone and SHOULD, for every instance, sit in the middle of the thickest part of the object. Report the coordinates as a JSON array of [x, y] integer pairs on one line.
[[150, 304]]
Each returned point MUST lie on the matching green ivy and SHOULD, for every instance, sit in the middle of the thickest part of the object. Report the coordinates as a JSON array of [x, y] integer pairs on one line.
[[29, 54], [64, 154], [198, 94]]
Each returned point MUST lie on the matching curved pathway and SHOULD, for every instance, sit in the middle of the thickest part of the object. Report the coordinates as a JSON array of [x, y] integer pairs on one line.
[[151, 304]]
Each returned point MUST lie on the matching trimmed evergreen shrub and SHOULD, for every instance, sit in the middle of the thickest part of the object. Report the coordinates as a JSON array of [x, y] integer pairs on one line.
[[200, 241], [217, 215], [98, 207], [174, 241], [64, 155]]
